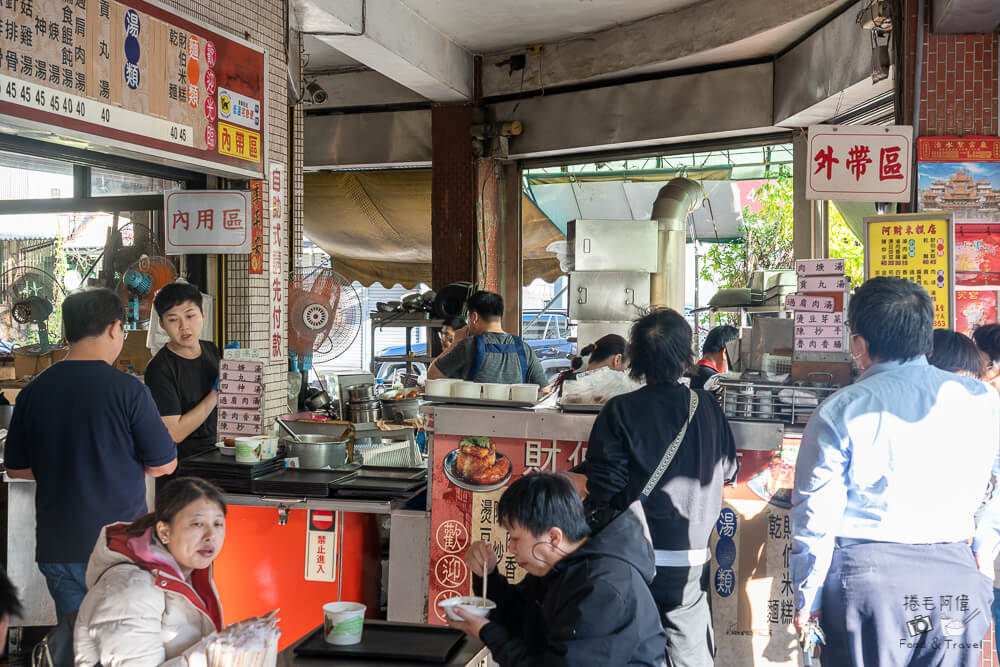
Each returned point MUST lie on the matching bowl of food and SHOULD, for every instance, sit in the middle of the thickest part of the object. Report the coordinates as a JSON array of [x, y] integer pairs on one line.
[[477, 465], [471, 603]]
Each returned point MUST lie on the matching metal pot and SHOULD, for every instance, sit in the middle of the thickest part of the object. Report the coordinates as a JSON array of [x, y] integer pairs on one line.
[[361, 393], [366, 412], [318, 401], [400, 409], [317, 451]]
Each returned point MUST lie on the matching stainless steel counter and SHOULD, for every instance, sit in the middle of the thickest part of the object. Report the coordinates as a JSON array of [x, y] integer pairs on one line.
[[39, 610]]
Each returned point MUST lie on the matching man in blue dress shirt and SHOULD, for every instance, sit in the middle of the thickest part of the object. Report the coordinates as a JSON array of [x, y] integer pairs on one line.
[[890, 474]]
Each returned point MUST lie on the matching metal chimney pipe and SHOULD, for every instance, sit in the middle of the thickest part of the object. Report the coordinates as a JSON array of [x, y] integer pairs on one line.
[[671, 208]]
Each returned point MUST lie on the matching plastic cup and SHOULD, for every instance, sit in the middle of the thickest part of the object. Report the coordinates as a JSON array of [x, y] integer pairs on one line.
[[467, 390], [268, 448], [524, 393], [248, 450], [496, 392], [343, 622]]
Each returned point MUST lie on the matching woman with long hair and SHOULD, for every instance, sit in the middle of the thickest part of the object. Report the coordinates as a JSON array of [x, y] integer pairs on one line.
[[151, 599]]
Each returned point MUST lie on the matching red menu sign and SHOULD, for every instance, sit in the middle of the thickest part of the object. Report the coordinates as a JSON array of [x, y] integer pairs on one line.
[[131, 77], [465, 511]]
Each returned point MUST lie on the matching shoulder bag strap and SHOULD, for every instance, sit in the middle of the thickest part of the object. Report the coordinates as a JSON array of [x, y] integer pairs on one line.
[[478, 363], [522, 357], [668, 456]]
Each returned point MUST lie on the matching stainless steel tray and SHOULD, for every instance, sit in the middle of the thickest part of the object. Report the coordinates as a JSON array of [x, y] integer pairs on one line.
[[479, 402], [592, 408]]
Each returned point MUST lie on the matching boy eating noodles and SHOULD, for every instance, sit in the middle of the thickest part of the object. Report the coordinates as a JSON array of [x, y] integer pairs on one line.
[[585, 599]]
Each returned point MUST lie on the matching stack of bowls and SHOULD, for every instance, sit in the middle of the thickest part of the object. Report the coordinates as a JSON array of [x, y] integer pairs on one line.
[[363, 406]]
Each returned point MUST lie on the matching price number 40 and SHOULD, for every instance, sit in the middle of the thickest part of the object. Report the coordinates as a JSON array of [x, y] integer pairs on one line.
[[178, 133]]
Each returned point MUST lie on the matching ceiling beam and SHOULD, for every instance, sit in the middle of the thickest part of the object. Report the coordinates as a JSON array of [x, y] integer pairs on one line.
[[652, 44], [388, 37], [361, 89]]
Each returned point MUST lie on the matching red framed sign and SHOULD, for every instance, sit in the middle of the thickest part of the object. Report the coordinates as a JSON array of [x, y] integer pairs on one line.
[[132, 77]]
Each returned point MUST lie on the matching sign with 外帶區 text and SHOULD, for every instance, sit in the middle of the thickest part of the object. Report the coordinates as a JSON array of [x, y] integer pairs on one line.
[[132, 77], [860, 163], [203, 222], [917, 247]]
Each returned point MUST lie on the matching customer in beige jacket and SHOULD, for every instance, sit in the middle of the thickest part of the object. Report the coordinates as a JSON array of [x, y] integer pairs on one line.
[[151, 600]]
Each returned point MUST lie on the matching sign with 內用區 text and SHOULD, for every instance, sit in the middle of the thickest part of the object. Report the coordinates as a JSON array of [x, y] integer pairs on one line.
[[131, 77], [860, 163], [917, 247], [204, 222]]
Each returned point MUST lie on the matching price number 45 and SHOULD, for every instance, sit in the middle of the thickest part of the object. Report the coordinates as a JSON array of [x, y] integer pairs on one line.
[[178, 133]]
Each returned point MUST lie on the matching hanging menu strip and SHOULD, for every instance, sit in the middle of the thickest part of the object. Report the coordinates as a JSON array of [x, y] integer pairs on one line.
[[73, 106]]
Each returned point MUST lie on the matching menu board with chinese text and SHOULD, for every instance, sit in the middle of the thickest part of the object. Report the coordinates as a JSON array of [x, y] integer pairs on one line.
[[919, 248], [131, 73]]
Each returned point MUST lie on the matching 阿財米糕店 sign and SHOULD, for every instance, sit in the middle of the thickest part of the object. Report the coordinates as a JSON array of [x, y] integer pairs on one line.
[[207, 222], [860, 163], [920, 248], [135, 79]]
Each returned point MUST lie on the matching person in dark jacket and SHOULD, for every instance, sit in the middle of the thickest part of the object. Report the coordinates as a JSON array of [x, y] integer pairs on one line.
[[714, 358], [627, 444], [585, 601]]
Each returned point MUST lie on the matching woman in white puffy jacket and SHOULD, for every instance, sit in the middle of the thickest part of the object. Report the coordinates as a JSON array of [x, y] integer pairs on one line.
[[151, 600]]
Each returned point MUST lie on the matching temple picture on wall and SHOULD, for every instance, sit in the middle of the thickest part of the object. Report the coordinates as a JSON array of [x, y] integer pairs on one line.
[[970, 190]]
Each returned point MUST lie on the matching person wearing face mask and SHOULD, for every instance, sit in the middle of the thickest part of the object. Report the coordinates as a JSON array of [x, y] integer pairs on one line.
[[881, 514], [151, 598], [585, 599]]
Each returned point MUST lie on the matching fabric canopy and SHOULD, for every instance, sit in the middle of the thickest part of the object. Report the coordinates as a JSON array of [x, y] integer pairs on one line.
[[376, 225]]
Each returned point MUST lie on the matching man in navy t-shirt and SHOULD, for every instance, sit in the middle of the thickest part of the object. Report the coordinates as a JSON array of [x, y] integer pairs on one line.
[[86, 433]]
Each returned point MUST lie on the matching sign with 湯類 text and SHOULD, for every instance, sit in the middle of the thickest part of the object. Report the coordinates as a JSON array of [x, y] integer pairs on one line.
[[134, 77], [860, 163]]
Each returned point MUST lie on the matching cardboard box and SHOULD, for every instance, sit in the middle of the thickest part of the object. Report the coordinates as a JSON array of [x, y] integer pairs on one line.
[[30, 360], [134, 352]]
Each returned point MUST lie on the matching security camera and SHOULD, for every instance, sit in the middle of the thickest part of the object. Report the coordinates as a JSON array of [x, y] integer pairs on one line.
[[316, 93]]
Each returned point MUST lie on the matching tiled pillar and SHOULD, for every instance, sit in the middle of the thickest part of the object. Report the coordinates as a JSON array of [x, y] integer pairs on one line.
[[263, 23]]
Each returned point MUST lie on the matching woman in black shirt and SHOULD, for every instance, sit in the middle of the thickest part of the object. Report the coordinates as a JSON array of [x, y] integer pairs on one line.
[[628, 442]]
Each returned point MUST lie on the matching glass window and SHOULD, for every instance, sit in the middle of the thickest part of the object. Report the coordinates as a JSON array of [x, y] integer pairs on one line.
[[28, 177], [106, 183]]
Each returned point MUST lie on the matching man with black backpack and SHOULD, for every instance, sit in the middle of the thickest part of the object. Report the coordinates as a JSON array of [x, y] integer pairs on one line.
[[489, 354]]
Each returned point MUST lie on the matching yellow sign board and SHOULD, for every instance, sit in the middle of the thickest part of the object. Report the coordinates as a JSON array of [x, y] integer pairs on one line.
[[238, 142], [920, 248]]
